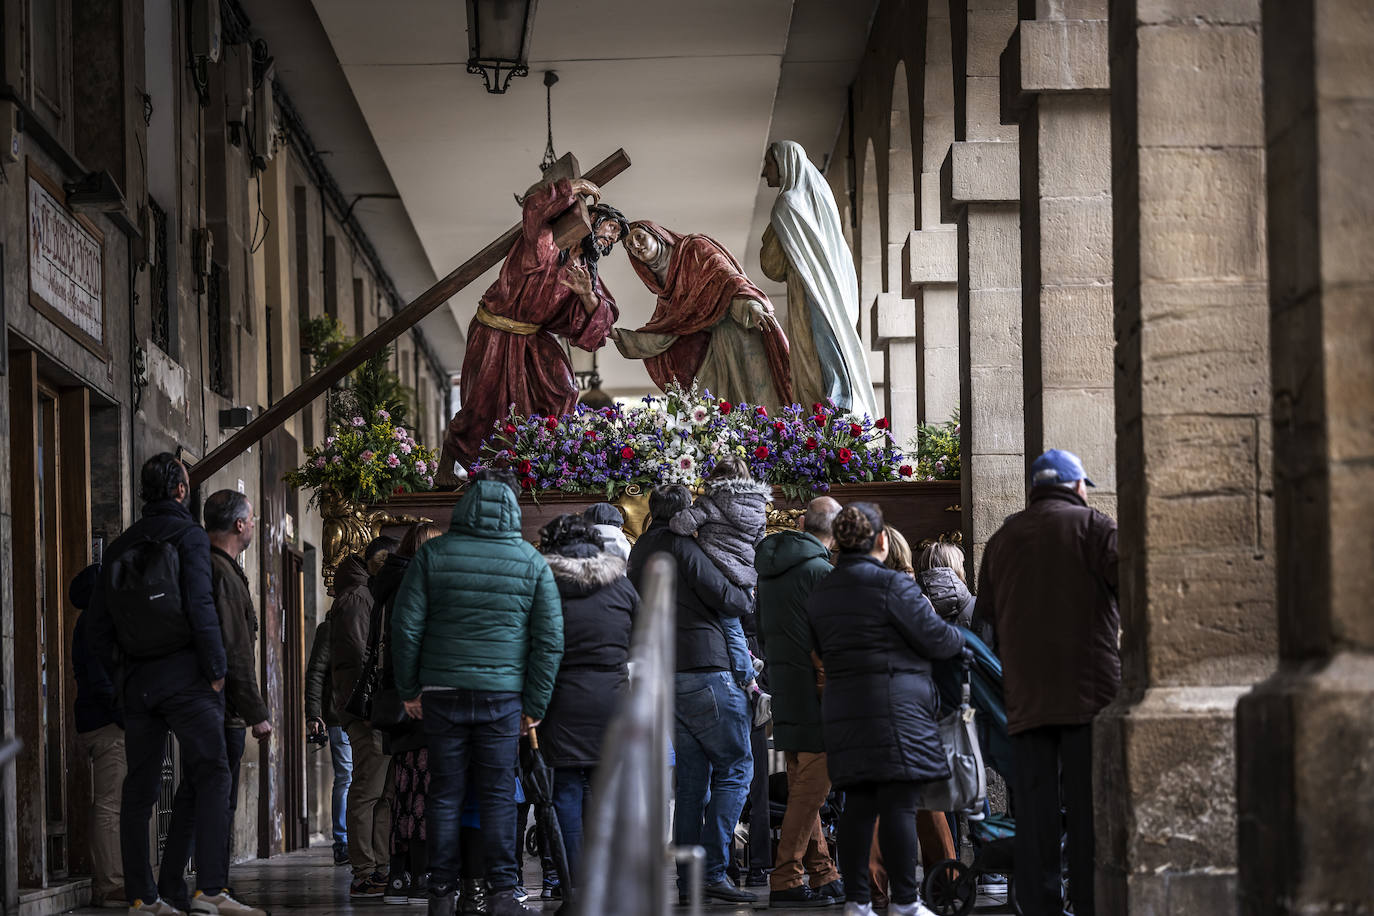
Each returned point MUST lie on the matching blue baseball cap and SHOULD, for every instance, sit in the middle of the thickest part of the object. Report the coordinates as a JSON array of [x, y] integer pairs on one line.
[[1058, 466]]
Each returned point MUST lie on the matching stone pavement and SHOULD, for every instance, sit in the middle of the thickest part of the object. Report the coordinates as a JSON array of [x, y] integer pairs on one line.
[[308, 882]]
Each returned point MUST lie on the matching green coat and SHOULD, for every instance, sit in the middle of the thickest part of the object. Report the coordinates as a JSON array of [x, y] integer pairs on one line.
[[478, 608], [790, 563]]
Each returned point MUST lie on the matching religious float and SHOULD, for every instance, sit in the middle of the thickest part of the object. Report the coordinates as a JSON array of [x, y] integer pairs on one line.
[[617, 454]]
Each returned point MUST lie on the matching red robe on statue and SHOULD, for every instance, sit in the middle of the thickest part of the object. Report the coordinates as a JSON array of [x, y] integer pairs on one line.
[[513, 364], [701, 281]]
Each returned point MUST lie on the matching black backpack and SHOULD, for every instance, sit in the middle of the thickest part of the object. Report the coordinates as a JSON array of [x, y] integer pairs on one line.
[[143, 594]]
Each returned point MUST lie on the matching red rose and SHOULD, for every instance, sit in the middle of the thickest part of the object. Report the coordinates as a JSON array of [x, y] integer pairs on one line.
[[608, 412], [780, 426], [527, 483], [590, 434], [905, 470], [883, 423], [551, 424], [726, 407], [510, 430], [761, 411], [811, 443], [627, 453], [855, 429], [816, 407], [844, 455], [818, 420], [526, 469], [761, 452], [398, 491]]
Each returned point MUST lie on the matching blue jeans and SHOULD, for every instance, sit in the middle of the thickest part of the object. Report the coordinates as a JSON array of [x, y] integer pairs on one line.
[[738, 648], [477, 731], [572, 791], [714, 766], [342, 753]]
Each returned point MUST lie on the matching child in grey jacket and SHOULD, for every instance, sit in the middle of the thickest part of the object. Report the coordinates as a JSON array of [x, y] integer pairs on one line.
[[728, 521]]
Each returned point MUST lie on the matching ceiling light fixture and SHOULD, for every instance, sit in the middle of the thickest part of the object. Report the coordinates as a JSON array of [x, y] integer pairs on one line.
[[550, 157], [499, 33]]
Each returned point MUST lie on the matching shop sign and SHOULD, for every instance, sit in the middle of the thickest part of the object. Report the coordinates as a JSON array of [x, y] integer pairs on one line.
[[66, 265]]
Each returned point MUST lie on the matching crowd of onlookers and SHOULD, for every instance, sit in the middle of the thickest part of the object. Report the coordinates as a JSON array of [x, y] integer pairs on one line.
[[449, 656]]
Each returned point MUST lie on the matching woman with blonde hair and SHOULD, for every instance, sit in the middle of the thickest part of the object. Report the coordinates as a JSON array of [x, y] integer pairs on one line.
[[941, 576]]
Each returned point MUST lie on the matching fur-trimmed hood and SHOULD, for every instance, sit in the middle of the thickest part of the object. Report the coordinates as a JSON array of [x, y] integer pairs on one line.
[[581, 576], [735, 487]]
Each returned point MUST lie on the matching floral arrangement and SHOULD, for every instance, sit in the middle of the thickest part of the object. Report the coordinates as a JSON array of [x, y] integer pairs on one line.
[[679, 437], [366, 460], [936, 449]]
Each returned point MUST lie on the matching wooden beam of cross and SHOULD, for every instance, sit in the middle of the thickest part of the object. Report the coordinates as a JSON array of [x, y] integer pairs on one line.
[[568, 229]]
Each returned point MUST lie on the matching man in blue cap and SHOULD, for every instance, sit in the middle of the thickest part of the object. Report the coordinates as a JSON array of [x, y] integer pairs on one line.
[[1048, 588]]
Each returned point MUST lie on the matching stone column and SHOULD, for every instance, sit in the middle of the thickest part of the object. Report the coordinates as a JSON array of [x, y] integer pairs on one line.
[[1193, 454], [979, 185], [1305, 737], [930, 277], [893, 320], [1055, 83]]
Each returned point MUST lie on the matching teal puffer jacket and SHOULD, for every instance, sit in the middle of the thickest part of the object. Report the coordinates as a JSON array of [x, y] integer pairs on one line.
[[478, 608]]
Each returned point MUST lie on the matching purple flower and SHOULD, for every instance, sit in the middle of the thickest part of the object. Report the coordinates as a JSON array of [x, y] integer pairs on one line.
[[383, 415], [319, 462], [421, 466], [336, 460], [358, 421]]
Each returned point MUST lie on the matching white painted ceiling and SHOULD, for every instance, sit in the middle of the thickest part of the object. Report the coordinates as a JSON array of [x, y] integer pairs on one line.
[[692, 90]]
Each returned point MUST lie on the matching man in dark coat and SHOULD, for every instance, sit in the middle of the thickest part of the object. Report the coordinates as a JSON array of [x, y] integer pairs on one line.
[[176, 691], [370, 791], [711, 731], [321, 719], [228, 519], [790, 564], [100, 737], [1048, 587]]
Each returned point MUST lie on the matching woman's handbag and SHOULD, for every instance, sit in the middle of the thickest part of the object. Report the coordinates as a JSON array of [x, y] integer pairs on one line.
[[966, 790], [369, 682]]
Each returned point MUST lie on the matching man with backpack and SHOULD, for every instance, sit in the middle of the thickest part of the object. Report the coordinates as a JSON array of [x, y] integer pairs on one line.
[[153, 620]]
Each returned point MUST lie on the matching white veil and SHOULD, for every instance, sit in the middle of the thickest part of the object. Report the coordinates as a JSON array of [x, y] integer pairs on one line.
[[807, 223]]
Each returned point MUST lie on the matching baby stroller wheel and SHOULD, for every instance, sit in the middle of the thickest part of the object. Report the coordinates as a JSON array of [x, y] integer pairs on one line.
[[950, 888]]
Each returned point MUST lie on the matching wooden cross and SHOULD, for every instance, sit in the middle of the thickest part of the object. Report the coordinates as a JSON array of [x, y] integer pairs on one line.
[[569, 229]]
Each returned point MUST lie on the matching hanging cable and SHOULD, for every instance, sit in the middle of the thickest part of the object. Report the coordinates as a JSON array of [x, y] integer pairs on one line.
[[550, 157]]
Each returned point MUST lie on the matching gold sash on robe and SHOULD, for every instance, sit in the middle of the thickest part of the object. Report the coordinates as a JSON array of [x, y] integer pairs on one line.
[[509, 325]]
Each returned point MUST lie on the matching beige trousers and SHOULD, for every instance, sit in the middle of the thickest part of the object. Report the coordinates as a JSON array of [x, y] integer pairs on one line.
[[104, 748], [369, 802]]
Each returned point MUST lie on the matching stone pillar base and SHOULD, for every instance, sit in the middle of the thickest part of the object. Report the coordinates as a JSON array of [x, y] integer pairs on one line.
[[1164, 800], [1305, 785]]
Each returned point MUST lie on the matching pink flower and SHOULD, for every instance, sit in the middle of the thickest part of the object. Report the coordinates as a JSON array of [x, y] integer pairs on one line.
[[399, 433], [319, 462], [358, 421], [405, 447], [367, 455], [336, 460], [429, 481], [331, 440], [383, 415], [421, 467], [392, 461]]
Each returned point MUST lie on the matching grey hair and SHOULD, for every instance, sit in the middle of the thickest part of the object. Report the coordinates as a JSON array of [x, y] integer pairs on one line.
[[819, 518], [223, 509]]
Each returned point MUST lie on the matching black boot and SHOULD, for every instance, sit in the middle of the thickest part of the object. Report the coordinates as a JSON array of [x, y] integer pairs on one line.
[[473, 901], [440, 902]]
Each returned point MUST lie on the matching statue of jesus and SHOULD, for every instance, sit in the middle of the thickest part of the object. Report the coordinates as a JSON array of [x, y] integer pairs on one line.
[[513, 355], [711, 325]]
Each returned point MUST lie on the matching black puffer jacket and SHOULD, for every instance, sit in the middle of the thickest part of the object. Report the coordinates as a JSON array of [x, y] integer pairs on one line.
[[599, 607], [409, 735], [877, 635], [947, 594]]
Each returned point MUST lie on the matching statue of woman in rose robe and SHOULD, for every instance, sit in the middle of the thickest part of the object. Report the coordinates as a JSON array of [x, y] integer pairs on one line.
[[711, 325]]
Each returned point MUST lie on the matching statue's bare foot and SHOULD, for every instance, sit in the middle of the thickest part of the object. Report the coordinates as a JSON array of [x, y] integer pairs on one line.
[[447, 477]]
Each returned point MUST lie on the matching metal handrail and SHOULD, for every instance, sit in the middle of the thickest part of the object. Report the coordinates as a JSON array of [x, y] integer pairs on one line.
[[621, 874]]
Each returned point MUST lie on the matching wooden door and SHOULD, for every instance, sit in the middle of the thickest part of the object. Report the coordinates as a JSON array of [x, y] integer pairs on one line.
[[293, 713]]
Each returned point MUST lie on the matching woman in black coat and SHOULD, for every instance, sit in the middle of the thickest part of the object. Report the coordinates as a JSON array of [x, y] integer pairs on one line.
[[599, 606], [877, 635]]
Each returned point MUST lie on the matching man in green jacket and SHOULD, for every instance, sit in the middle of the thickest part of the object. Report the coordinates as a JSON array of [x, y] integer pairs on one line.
[[476, 638], [790, 563]]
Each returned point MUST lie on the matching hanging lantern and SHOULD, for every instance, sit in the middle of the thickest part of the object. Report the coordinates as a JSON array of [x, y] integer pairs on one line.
[[499, 34]]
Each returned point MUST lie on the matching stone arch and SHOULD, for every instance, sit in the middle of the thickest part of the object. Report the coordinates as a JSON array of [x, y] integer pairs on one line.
[[937, 111], [870, 248], [901, 180]]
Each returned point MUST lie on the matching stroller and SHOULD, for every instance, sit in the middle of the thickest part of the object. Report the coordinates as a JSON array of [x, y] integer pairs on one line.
[[951, 887]]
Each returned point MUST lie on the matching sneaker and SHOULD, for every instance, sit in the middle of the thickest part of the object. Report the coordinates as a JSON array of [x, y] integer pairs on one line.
[[800, 897], [834, 890], [757, 877], [993, 884], [341, 855], [397, 890], [366, 888], [157, 905], [520, 893], [854, 908], [419, 889], [473, 900], [551, 890], [222, 903], [506, 904], [728, 893], [915, 908]]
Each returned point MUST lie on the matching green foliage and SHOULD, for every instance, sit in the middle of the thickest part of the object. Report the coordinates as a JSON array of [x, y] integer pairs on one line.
[[365, 460], [364, 391], [936, 448], [324, 339]]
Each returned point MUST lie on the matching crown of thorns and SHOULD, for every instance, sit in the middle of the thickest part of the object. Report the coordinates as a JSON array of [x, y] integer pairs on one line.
[[600, 213]]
